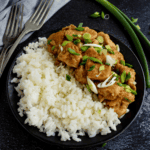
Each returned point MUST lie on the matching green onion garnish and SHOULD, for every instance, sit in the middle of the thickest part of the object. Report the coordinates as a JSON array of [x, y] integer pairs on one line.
[[138, 26], [73, 51], [80, 25], [102, 15], [99, 111], [104, 144], [95, 15], [53, 48], [122, 62], [77, 41], [68, 77], [95, 60], [48, 42], [98, 49], [88, 87], [127, 99], [70, 38], [117, 71], [74, 35], [109, 49], [79, 28], [129, 65], [65, 43], [86, 35], [101, 68], [128, 76], [87, 40], [107, 64], [84, 48], [123, 76], [134, 20], [91, 68], [119, 84]]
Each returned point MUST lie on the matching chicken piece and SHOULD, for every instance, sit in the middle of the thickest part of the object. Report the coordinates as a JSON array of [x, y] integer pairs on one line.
[[113, 103], [73, 31], [95, 74], [95, 42], [81, 74], [107, 41], [101, 98], [91, 52], [121, 108], [111, 92], [57, 39], [68, 58], [71, 27], [127, 69]]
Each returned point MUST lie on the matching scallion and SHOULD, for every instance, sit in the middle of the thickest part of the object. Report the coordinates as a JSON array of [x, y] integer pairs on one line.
[[91, 68], [70, 38], [53, 48], [95, 15], [73, 51], [68, 77]]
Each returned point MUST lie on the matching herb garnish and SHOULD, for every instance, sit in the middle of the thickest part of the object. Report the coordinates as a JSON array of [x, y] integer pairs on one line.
[[128, 76], [65, 43], [88, 87], [104, 144], [70, 38], [53, 48], [73, 51], [84, 48], [91, 68], [129, 65], [102, 15], [68, 77], [95, 60], [122, 62], [134, 20], [127, 99], [123, 76], [48, 42], [79, 28], [77, 41], [95, 15]]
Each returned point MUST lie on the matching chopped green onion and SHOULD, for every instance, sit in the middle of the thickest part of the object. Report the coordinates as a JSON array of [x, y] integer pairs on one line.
[[101, 68], [95, 15], [48, 42], [109, 49], [73, 51], [95, 60], [84, 48], [98, 49], [104, 144], [85, 57], [79, 35], [83, 63], [99, 111], [70, 38], [88, 87], [100, 39], [91, 68], [86, 35], [53, 48], [122, 62], [107, 64], [80, 25], [129, 65], [128, 76], [88, 41], [138, 26], [133, 91], [102, 15], [127, 99], [68, 77], [123, 76], [74, 35], [134, 20], [119, 84], [65, 43], [79, 28], [77, 41]]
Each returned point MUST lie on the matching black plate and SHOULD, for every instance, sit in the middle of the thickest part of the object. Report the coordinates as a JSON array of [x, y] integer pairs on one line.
[[86, 141]]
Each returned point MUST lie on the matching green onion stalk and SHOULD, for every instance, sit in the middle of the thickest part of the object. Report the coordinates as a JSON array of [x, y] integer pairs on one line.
[[131, 29]]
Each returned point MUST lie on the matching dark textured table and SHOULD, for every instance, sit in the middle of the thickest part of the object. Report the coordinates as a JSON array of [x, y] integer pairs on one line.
[[137, 136]]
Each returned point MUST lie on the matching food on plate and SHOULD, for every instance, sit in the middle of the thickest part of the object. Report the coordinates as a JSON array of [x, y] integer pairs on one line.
[[74, 82], [96, 58]]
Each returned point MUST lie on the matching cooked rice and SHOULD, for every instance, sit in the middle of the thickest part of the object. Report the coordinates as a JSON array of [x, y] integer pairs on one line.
[[53, 104]]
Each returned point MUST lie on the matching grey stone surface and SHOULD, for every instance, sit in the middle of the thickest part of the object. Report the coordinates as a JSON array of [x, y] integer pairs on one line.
[[137, 136]]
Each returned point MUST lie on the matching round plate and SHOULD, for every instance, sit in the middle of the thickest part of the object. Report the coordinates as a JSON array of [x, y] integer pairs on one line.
[[86, 141]]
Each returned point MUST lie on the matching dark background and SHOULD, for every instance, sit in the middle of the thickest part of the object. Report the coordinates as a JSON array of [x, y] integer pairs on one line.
[[137, 136]]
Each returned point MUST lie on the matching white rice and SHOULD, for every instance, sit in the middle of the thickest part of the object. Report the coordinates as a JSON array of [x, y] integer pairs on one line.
[[53, 104]]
